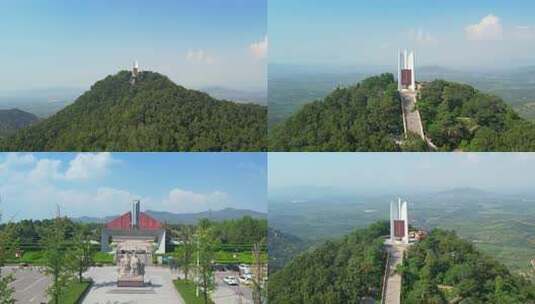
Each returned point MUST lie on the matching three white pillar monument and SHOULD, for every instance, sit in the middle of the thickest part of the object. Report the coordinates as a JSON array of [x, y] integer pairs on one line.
[[399, 222], [406, 77]]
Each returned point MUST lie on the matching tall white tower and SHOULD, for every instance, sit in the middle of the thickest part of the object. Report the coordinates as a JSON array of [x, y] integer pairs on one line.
[[135, 214], [399, 222], [406, 75]]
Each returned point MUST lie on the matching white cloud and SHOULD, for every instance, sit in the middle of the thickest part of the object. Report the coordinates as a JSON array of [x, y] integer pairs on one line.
[[524, 32], [180, 200], [89, 165], [421, 36], [199, 56], [15, 160], [44, 170], [489, 28], [259, 48]]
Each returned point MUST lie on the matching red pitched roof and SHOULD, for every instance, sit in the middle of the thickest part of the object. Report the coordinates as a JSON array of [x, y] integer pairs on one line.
[[124, 222]]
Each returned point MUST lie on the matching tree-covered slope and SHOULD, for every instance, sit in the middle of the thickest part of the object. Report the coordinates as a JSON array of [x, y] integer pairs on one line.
[[457, 116], [282, 248], [446, 269], [367, 117], [15, 119], [364, 117], [153, 115], [341, 271]]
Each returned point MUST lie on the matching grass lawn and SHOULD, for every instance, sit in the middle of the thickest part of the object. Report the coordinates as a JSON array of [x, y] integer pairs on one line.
[[102, 258], [246, 257], [74, 292], [187, 291]]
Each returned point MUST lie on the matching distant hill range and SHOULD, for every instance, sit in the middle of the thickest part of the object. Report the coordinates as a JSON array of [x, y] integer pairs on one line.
[[15, 119], [184, 218], [154, 114], [241, 96]]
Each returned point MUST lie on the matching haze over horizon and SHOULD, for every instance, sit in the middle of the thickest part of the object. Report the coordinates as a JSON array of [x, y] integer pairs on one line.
[[64, 44], [103, 184], [403, 173], [481, 34]]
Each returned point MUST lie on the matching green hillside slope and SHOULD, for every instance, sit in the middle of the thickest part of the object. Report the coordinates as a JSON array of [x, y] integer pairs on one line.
[[446, 269], [153, 115], [367, 117], [341, 271], [364, 117], [15, 119]]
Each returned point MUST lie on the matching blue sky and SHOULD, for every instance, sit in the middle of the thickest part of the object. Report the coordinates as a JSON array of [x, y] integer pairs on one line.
[[74, 43], [101, 184], [461, 34], [387, 173]]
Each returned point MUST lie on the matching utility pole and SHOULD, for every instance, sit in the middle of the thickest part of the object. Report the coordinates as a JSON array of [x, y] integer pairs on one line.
[[198, 264]]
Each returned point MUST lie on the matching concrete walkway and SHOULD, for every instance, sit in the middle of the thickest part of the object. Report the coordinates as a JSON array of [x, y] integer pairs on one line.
[[105, 290], [411, 117], [393, 281]]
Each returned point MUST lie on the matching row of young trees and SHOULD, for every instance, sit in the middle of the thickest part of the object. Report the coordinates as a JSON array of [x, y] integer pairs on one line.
[[196, 255], [66, 257]]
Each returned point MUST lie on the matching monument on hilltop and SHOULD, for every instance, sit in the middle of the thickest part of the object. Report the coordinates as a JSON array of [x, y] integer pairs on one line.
[[406, 78], [136, 73], [399, 222]]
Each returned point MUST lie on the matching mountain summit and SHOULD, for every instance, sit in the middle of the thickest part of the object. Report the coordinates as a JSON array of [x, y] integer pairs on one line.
[[154, 114], [13, 119]]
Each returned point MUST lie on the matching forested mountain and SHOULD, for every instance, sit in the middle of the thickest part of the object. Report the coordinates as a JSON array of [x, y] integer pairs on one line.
[[367, 117], [282, 248], [341, 271], [154, 114], [457, 116], [364, 117], [446, 269], [14, 119]]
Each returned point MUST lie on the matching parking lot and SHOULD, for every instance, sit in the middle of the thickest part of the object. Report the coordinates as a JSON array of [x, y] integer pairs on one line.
[[30, 287], [30, 284], [226, 294]]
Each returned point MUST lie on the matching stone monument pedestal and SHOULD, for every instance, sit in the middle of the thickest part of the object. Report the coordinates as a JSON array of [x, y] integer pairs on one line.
[[131, 282]]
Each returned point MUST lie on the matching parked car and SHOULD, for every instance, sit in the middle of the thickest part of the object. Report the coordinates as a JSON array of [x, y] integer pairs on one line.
[[245, 280], [230, 280]]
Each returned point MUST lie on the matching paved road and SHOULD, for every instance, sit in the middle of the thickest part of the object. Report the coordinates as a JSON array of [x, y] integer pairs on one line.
[[225, 294], [411, 116], [393, 282], [105, 290], [30, 284]]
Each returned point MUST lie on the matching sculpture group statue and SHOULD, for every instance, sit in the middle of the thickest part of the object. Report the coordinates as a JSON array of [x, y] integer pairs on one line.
[[130, 265]]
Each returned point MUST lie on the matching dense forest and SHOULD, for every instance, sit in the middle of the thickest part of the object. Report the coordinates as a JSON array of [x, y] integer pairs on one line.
[[15, 119], [340, 271], [282, 247], [154, 114], [364, 117], [457, 116], [446, 269], [367, 117]]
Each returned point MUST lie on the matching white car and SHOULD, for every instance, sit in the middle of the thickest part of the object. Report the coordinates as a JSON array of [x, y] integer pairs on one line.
[[245, 280], [230, 280]]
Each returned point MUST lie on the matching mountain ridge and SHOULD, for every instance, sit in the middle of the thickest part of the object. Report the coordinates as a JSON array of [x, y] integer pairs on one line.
[[183, 218], [154, 114]]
